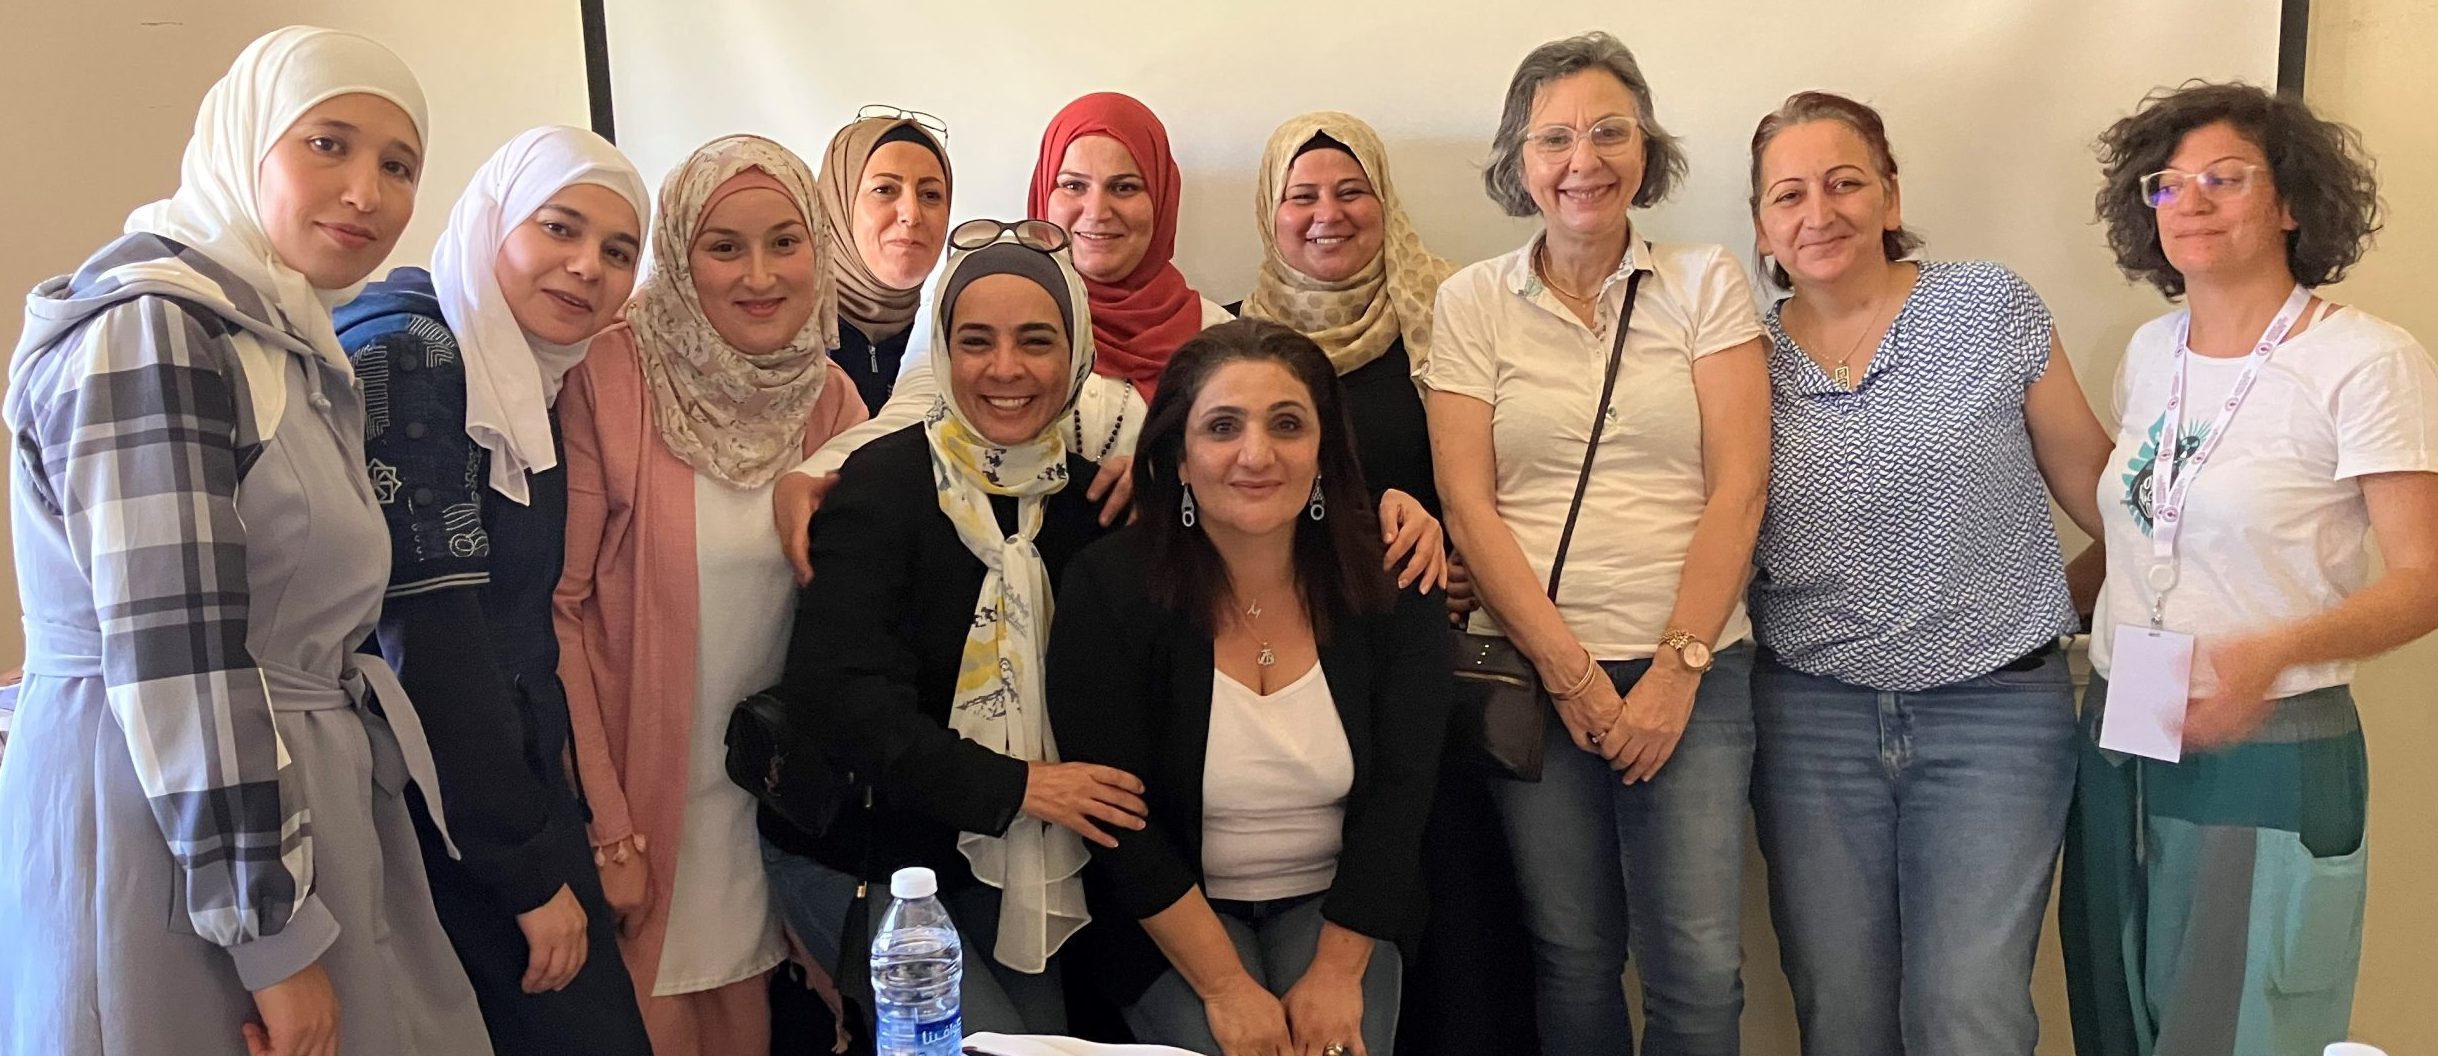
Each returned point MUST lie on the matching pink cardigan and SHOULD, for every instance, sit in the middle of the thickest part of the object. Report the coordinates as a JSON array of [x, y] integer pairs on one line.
[[626, 611]]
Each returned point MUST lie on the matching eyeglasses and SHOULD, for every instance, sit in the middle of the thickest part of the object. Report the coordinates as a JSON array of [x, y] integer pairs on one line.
[[1040, 235], [1609, 138], [929, 123], [2224, 180]]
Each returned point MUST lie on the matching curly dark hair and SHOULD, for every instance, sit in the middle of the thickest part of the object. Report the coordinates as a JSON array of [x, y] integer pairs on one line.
[[2321, 170], [1337, 559]]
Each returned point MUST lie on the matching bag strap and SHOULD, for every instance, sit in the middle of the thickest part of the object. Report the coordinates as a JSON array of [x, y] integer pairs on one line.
[[1599, 426]]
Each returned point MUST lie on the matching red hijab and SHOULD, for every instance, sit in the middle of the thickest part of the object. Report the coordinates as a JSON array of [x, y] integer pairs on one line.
[[1137, 321]]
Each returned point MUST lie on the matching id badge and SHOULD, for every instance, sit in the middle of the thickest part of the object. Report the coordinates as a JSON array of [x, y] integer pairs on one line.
[[2149, 686]]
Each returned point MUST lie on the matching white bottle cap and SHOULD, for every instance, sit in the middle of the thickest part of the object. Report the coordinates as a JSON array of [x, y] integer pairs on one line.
[[2354, 1048], [914, 881]]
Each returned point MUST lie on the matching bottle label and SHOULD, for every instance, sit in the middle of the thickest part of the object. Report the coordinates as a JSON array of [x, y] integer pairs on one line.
[[941, 1035]]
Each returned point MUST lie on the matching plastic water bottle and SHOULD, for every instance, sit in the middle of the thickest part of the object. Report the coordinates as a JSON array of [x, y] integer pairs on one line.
[[917, 969]]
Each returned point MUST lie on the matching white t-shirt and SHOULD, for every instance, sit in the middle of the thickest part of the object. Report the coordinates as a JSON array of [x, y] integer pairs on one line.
[[722, 927], [1501, 337], [1110, 410], [2275, 524], [1274, 782]]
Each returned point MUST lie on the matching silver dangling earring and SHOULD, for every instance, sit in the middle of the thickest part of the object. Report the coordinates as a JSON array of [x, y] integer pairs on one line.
[[1187, 507], [1319, 508]]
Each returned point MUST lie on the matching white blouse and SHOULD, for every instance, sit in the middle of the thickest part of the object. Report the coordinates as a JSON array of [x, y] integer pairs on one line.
[[1275, 776]]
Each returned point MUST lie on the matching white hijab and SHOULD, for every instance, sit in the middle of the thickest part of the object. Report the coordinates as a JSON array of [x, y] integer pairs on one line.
[[273, 82], [512, 377]]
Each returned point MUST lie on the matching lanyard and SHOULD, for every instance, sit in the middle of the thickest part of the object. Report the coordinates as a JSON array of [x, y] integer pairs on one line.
[[2171, 482]]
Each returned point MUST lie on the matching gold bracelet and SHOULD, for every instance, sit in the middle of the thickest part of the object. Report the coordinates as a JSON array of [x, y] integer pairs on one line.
[[1591, 670]]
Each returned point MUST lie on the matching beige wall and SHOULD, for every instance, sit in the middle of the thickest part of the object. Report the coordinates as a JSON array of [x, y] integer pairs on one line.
[[2370, 66], [99, 97]]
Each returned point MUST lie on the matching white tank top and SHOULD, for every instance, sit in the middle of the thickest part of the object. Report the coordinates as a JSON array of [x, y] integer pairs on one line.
[[1274, 785]]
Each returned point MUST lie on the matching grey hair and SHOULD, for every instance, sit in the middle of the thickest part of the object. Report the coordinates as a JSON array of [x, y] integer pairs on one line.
[[1663, 161]]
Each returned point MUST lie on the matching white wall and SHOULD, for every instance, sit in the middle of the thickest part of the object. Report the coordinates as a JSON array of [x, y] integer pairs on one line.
[[1992, 103]]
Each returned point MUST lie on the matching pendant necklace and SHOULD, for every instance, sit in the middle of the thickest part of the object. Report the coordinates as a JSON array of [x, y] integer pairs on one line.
[[1252, 617], [1844, 374]]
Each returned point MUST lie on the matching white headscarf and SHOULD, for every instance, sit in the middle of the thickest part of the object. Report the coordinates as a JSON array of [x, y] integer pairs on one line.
[[512, 377], [1037, 866], [273, 82]]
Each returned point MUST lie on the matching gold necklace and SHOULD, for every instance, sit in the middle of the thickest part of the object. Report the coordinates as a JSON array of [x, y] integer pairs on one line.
[[1844, 374], [1540, 262], [1252, 626]]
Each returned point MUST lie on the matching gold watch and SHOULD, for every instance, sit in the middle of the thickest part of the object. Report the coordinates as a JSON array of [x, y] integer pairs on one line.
[[1694, 652]]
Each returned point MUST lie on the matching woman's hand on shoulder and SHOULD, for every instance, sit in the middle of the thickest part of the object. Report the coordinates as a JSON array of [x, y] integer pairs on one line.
[[1414, 537], [1113, 488], [793, 501]]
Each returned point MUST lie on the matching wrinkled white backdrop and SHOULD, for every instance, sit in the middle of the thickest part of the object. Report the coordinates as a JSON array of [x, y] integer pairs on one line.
[[1992, 104]]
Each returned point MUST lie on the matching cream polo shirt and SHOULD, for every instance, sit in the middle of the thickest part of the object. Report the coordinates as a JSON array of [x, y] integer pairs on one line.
[[1501, 337]]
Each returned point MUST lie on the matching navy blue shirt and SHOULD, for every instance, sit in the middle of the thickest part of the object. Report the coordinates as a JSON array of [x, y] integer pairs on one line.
[[871, 365]]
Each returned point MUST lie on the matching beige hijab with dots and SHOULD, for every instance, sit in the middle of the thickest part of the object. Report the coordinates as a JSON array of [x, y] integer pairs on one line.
[[1357, 319]]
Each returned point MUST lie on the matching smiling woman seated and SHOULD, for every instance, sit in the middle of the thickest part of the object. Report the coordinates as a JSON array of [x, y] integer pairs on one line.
[[916, 661], [1243, 650]]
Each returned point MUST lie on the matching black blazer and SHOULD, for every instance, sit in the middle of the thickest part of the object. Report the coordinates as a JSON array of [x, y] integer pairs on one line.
[[872, 665], [1130, 686]]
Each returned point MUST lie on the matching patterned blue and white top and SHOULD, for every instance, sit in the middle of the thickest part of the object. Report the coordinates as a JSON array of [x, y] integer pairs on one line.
[[1908, 542]]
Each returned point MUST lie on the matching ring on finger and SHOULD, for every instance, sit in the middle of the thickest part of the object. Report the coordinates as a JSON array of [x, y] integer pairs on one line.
[[1334, 1049]]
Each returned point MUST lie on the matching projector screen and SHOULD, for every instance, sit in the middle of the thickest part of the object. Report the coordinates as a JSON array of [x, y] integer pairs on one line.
[[1992, 104]]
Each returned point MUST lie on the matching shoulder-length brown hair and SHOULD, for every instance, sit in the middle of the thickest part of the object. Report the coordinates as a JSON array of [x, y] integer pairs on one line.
[[1337, 558]]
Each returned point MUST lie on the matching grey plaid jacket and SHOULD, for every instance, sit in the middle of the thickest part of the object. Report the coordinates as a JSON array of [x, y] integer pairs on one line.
[[132, 429]]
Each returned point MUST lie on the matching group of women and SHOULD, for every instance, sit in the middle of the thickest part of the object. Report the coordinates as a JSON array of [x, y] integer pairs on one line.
[[1802, 560]]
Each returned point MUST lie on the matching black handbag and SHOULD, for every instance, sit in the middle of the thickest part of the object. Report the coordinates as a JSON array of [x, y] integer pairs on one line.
[[769, 756], [1501, 708]]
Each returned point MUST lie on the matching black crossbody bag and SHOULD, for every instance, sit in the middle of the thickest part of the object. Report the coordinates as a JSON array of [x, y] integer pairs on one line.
[[1502, 710]]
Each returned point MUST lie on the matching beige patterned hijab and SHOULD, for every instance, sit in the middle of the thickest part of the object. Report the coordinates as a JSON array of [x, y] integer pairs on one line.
[[1357, 319], [736, 415]]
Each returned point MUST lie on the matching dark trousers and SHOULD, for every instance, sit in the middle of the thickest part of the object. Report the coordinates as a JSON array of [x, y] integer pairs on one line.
[[1469, 979], [594, 1016]]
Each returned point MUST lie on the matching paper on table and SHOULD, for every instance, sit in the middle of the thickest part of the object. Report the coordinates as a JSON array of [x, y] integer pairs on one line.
[[2149, 686], [1045, 1045]]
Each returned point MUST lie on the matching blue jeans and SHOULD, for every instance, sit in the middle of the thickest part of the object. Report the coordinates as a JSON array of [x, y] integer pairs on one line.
[[1591, 851], [814, 899], [1276, 941], [1911, 838]]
